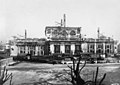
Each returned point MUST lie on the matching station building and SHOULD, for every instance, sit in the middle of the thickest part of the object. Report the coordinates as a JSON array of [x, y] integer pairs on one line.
[[67, 40], [33, 46], [64, 40]]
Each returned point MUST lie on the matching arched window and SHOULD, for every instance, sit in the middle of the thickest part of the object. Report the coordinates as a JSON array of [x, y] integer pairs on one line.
[[48, 31], [55, 32], [107, 51], [72, 33], [78, 30], [64, 33]]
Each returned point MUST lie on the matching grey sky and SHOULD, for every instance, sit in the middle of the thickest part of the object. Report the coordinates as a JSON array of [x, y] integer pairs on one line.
[[35, 15]]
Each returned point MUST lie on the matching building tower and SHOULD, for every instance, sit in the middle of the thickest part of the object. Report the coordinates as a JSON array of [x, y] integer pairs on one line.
[[61, 23], [25, 34], [64, 20], [98, 33]]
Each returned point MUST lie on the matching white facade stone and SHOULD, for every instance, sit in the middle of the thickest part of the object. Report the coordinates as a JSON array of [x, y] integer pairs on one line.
[[73, 48], [26, 49], [36, 50], [62, 48], [84, 47], [51, 48]]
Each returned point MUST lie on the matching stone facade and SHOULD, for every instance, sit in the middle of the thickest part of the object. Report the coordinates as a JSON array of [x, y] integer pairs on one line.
[[68, 39], [35, 47]]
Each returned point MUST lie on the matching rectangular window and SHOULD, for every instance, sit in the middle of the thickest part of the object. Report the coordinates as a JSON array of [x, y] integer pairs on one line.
[[22, 49], [67, 48], [107, 46], [42, 52], [92, 46], [57, 48], [77, 48], [100, 46], [99, 51], [91, 51]]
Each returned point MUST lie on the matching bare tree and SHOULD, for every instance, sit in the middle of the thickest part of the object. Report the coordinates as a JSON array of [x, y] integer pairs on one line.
[[4, 75], [76, 78]]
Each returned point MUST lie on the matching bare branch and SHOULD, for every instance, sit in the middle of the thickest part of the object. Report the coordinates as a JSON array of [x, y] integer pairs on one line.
[[77, 68], [96, 75], [73, 64], [11, 79], [83, 66], [102, 79], [70, 67]]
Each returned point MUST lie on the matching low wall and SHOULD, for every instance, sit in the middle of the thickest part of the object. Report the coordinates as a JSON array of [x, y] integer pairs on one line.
[[6, 61]]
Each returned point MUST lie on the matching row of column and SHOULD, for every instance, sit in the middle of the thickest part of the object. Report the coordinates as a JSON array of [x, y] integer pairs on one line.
[[84, 47], [37, 49], [95, 47], [62, 48]]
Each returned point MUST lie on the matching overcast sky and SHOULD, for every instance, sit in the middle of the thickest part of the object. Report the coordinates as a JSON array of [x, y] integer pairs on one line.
[[35, 15]]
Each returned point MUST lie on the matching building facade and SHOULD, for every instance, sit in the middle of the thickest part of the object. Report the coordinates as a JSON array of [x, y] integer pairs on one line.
[[34, 47], [63, 40], [67, 40], [118, 48], [100, 46]]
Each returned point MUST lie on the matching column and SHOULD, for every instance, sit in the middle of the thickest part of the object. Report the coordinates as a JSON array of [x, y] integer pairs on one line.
[[103, 47], [112, 48], [26, 49], [62, 48], [39, 50], [42, 52], [95, 48], [115, 48], [73, 48], [84, 47], [18, 49], [36, 50], [51, 48], [29, 49], [89, 47]]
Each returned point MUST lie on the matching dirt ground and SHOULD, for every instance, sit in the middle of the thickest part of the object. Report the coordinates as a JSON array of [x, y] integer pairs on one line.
[[26, 73]]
